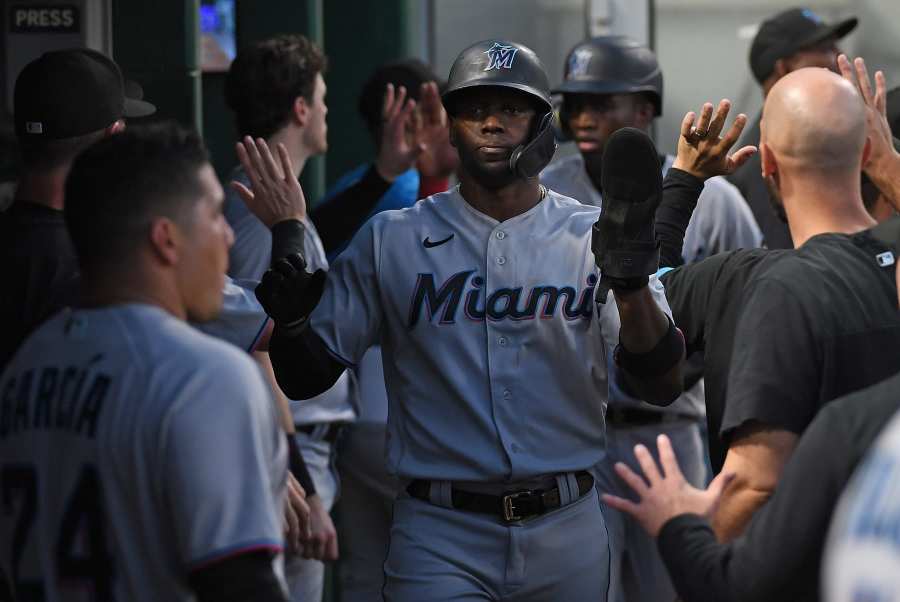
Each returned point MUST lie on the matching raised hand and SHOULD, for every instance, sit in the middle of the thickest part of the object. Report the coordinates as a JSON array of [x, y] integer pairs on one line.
[[274, 194], [879, 130], [702, 152], [406, 133], [664, 495]]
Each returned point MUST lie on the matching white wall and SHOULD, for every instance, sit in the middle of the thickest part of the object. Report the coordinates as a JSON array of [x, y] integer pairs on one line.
[[703, 47]]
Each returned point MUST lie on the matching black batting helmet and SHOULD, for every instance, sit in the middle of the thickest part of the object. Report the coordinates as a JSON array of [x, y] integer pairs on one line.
[[498, 63], [613, 65]]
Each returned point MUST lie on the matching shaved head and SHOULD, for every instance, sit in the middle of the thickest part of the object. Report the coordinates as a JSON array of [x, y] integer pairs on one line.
[[814, 120]]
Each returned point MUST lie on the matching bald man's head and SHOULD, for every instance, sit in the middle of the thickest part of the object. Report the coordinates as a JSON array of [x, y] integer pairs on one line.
[[814, 120]]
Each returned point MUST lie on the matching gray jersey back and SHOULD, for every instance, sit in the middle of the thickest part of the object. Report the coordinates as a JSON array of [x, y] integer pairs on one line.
[[248, 259], [133, 449], [495, 354]]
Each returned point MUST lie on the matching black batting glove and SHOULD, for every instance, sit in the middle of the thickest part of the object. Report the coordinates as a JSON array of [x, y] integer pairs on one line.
[[623, 239], [289, 293]]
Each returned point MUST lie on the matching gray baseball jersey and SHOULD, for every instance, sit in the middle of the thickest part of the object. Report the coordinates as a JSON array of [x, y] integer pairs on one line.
[[495, 354], [248, 259], [242, 319], [863, 550], [133, 449]]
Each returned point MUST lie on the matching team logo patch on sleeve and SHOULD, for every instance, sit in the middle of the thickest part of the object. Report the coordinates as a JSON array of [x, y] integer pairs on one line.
[[500, 56]]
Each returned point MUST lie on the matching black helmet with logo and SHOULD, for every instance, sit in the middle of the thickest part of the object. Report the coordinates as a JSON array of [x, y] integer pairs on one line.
[[499, 63], [613, 65]]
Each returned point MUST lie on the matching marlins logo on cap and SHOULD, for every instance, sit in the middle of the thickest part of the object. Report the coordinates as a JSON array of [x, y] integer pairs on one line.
[[500, 56], [578, 62]]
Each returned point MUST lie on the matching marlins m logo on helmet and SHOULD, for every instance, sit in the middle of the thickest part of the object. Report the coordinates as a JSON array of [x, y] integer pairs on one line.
[[500, 56], [578, 62]]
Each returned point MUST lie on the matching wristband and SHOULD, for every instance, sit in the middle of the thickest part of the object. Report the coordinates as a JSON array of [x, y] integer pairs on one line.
[[298, 466], [287, 239], [656, 362]]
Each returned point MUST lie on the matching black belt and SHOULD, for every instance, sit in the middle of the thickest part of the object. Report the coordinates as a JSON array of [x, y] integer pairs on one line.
[[624, 416], [331, 433], [512, 506]]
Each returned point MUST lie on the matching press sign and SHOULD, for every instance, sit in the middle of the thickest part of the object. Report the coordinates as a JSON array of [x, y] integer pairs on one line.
[[36, 18]]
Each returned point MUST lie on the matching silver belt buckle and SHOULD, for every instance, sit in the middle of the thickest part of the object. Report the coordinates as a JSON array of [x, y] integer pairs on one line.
[[509, 513]]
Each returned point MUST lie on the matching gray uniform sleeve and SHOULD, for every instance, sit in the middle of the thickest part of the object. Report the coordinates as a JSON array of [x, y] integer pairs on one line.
[[722, 221], [242, 319], [349, 315], [225, 462]]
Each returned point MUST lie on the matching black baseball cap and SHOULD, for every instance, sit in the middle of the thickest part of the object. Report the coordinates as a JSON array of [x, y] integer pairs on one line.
[[73, 92], [788, 32]]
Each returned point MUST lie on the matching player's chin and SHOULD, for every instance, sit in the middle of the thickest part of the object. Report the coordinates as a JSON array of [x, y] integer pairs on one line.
[[206, 309]]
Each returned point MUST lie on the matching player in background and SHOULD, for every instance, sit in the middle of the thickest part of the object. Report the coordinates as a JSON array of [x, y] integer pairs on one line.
[[113, 412], [793, 39], [64, 101], [494, 354], [613, 82]]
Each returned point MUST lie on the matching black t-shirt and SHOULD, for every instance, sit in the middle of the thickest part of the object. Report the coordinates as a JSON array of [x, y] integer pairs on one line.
[[779, 555], [706, 299], [40, 271], [820, 322]]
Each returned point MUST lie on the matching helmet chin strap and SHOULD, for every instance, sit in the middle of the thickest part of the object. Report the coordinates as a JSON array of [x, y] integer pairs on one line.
[[527, 160]]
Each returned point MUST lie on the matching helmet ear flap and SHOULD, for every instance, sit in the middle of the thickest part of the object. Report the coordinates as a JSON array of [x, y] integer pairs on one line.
[[528, 160], [561, 118]]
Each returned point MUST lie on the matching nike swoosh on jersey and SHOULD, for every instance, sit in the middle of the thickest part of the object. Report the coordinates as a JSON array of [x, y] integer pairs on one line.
[[430, 245]]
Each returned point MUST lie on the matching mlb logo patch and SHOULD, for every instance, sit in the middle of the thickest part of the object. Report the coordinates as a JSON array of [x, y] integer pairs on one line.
[[34, 127], [500, 56], [885, 259]]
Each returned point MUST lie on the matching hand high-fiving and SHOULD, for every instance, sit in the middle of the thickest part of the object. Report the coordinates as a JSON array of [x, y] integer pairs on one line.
[[406, 132], [702, 152], [274, 194], [664, 495]]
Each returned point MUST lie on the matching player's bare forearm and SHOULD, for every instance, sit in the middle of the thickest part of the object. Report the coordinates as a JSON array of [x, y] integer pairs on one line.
[[643, 326], [739, 503], [281, 402], [886, 176], [756, 458]]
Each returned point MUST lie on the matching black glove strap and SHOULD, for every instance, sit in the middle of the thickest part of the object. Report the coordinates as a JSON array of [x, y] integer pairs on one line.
[[287, 238], [656, 362]]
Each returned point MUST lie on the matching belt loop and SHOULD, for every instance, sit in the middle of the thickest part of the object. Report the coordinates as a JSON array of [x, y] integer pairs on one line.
[[568, 488], [440, 493]]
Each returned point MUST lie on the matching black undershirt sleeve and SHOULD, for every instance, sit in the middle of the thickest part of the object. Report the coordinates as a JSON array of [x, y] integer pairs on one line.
[[303, 366], [244, 578], [679, 198], [689, 290], [338, 219]]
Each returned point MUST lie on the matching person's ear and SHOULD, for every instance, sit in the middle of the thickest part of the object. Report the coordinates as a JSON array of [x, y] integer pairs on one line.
[[452, 130], [767, 161], [300, 111], [117, 127], [867, 150], [782, 68], [165, 240], [644, 111]]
